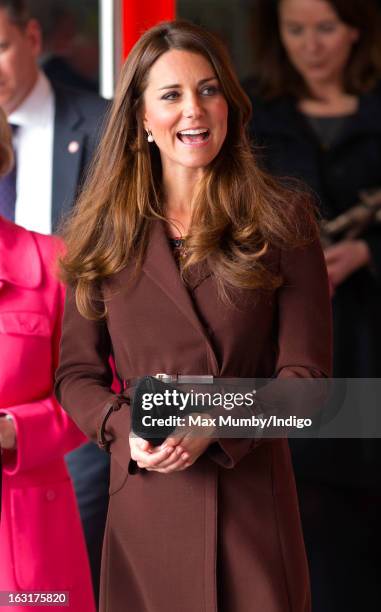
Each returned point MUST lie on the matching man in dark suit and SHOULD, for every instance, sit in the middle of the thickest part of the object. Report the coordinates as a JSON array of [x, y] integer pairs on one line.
[[55, 133], [56, 126], [78, 121]]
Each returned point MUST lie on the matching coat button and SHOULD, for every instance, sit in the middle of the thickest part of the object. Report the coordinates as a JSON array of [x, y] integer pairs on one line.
[[50, 495]]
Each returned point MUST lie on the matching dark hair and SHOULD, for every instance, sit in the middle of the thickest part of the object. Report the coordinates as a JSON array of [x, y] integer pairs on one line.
[[18, 11], [238, 210], [274, 74]]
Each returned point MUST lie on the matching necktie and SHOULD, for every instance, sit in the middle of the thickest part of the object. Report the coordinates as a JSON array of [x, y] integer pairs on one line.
[[8, 190]]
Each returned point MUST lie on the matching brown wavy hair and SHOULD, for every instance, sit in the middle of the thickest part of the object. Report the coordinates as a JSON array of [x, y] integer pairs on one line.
[[274, 74], [238, 209]]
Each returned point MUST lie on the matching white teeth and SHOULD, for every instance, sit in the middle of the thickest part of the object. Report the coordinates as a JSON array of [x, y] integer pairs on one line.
[[193, 132]]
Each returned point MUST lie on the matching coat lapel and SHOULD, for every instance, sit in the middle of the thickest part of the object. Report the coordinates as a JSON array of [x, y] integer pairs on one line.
[[197, 274], [68, 146], [160, 266]]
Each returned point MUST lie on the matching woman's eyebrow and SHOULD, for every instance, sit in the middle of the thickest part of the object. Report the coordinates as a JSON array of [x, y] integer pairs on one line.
[[177, 85]]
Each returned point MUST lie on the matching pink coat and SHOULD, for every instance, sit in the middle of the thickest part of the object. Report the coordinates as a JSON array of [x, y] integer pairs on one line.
[[41, 542]]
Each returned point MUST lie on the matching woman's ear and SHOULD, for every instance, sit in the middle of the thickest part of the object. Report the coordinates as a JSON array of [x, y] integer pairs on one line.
[[142, 116]]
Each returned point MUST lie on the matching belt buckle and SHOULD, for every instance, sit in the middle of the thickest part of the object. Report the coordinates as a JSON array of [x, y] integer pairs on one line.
[[186, 379], [166, 378]]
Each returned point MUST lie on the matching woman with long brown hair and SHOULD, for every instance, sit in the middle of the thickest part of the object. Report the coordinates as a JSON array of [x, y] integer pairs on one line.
[[184, 258], [317, 97], [317, 102]]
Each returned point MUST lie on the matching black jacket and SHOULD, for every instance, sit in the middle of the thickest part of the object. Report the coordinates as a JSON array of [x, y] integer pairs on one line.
[[79, 118], [287, 146]]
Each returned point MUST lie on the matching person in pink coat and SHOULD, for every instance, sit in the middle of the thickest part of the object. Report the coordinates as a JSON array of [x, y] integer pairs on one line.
[[41, 542]]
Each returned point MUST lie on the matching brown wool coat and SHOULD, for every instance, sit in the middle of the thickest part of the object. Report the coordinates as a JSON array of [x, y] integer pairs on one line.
[[225, 533]]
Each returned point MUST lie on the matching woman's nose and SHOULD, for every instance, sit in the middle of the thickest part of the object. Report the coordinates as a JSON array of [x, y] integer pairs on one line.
[[192, 106], [311, 42]]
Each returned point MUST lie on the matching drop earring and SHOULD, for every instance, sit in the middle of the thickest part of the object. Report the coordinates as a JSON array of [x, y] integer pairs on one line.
[[149, 136]]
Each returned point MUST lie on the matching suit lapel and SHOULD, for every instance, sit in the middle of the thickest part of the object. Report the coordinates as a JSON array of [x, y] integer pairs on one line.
[[67, 154], [161, 268]]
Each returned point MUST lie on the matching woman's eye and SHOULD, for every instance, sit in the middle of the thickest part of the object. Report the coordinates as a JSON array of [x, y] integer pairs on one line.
[[294, 30], [327, 27], [210, 90], [171, 95]]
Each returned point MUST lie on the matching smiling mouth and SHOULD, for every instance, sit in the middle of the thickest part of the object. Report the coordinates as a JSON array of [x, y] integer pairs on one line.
[[192, 137], [317, 65]]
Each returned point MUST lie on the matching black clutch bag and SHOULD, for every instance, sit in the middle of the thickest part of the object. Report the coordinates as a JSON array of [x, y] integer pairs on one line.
[[143, 414], [153, 400]]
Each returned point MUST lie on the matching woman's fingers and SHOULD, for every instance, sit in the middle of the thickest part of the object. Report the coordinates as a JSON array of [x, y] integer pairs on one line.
[[145, 455], [178, 464], [164, 458], [143, 445], [146, 460], [175, 439], [173, 458]]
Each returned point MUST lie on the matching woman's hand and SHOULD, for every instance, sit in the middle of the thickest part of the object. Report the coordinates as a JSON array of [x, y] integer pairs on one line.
[[190, 448], [146, 455], [177, 453], [344, 258], [7, 433]]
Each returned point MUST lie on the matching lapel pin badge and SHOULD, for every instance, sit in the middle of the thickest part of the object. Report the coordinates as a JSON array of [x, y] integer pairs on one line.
[[73, 146]]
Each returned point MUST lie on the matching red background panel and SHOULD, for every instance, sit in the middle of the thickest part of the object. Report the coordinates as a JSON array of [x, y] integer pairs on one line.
[[139, 15]]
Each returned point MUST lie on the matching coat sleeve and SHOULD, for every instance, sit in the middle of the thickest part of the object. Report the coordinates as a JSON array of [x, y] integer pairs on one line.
[[44, 431], [84, 379], [304, 342]]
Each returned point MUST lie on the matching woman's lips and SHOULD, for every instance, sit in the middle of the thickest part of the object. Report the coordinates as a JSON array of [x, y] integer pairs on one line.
[[316, 66], [194, 137]]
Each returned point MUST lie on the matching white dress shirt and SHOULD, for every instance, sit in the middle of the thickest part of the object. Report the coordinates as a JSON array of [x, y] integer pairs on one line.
[[33, 144]]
